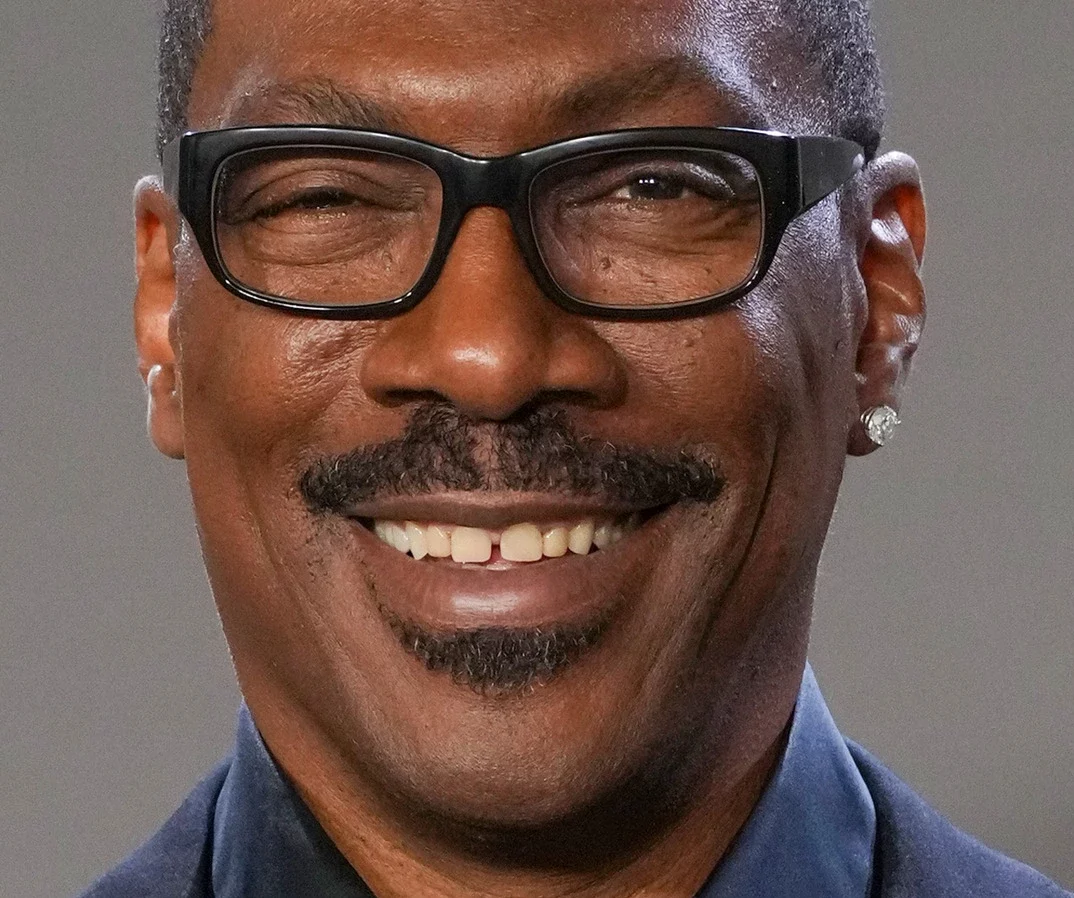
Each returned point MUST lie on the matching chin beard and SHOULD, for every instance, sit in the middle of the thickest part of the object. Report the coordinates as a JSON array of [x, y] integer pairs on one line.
[[497, 661]]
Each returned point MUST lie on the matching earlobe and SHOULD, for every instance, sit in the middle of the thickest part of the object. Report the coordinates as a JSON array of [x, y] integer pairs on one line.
[[155, 233], [890, 266], [164, 419]]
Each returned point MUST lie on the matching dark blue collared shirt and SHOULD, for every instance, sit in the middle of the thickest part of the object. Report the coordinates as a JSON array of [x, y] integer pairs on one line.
[[812, 832]]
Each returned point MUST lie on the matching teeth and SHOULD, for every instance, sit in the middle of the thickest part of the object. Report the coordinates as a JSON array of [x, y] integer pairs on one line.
[[523, 542], [469, 545], [555, 542], [438, 540], [580, 540], [419, 545], [518, 543], [398, 538]]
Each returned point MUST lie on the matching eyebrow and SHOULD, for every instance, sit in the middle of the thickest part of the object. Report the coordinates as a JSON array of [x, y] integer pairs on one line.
[[314, 101], [610, 95], [588, 105]]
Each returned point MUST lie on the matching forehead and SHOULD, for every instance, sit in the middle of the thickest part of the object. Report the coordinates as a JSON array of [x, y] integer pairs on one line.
[[490, 75]]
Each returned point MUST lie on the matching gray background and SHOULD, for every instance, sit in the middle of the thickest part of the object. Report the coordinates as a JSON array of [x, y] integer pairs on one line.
[[945, 616]]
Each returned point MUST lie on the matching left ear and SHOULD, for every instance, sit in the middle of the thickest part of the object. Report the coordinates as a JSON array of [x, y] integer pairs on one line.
[[890, 254], [156, 229]]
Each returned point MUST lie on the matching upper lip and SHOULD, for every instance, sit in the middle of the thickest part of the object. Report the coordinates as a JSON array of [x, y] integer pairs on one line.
[[491, 511]]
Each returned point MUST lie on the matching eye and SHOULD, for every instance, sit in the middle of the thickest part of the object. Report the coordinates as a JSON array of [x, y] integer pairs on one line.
[[313, 200], [676, 183], [653, 187]]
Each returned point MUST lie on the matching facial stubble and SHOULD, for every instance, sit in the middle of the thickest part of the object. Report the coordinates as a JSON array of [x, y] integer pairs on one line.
[[537, 451]]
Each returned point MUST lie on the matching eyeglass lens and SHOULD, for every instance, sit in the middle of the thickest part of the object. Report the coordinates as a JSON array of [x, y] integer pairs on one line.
[[646, 227], [326, 226], [329, 226]]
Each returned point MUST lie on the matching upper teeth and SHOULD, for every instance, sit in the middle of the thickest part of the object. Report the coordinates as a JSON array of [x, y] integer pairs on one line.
[[518, 543]]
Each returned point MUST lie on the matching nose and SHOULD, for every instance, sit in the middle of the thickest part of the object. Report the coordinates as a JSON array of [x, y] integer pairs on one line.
[[487, 340]]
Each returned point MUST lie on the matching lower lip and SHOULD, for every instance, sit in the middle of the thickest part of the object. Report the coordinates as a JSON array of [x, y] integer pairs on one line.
[[571, 591]]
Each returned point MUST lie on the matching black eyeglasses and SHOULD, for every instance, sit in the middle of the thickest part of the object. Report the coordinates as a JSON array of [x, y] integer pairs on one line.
[[640, 224]]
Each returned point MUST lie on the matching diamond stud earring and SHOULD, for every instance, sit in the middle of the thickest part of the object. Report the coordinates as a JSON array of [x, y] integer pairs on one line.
[[880, 424]]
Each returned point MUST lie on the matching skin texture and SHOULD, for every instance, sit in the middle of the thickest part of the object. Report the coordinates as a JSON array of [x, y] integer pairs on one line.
[[630, 773]]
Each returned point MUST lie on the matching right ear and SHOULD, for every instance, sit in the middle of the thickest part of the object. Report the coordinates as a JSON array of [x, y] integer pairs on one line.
[[156, 230]]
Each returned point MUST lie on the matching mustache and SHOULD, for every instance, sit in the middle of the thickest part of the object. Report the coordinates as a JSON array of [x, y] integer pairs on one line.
[[537, 451]]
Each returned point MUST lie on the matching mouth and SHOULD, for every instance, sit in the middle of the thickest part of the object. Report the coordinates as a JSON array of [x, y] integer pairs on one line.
[[522, 542], [498, 531], [517, 587], [508, 540], [466, 560]]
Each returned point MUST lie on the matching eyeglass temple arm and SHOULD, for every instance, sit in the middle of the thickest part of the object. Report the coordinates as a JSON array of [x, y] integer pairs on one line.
[[824, 165], [169, 163]]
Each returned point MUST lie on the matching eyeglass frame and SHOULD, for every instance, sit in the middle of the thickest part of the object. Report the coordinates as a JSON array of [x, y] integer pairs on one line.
[[794, 174]]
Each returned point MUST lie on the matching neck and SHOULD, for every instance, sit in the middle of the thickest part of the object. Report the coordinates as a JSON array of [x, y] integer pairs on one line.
[[400, 856]]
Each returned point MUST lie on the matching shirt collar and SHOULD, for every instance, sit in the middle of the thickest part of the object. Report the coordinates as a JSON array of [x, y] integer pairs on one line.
[[266, 842], [812, 833], [814, 830]]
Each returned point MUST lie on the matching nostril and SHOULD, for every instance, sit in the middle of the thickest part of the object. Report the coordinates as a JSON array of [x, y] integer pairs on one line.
[[487, 362]]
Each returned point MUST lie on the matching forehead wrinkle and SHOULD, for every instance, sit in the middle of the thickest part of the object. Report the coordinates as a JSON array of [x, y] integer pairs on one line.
[[314, 101], [725, 63], [592, 102], [611, 94]]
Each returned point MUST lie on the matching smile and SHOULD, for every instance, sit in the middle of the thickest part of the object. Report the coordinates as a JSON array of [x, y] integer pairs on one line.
[[521, 543], [469, 560]]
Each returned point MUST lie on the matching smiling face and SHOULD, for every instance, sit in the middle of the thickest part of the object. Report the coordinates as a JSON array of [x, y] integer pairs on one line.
[[488, 561]]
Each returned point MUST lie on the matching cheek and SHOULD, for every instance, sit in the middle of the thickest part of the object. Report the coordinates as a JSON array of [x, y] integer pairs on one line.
[[814, 292], [800, 325], [715, 383], [261, 393], [764, 385], [259, 387]]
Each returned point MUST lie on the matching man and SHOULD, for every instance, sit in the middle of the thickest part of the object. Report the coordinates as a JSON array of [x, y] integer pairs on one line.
[[514, 360]]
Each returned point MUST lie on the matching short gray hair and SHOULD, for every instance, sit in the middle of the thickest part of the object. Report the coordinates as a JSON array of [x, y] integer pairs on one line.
[[838, 35]]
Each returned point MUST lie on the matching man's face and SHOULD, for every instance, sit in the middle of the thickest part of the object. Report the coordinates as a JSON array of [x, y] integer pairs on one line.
[[665, 655]]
